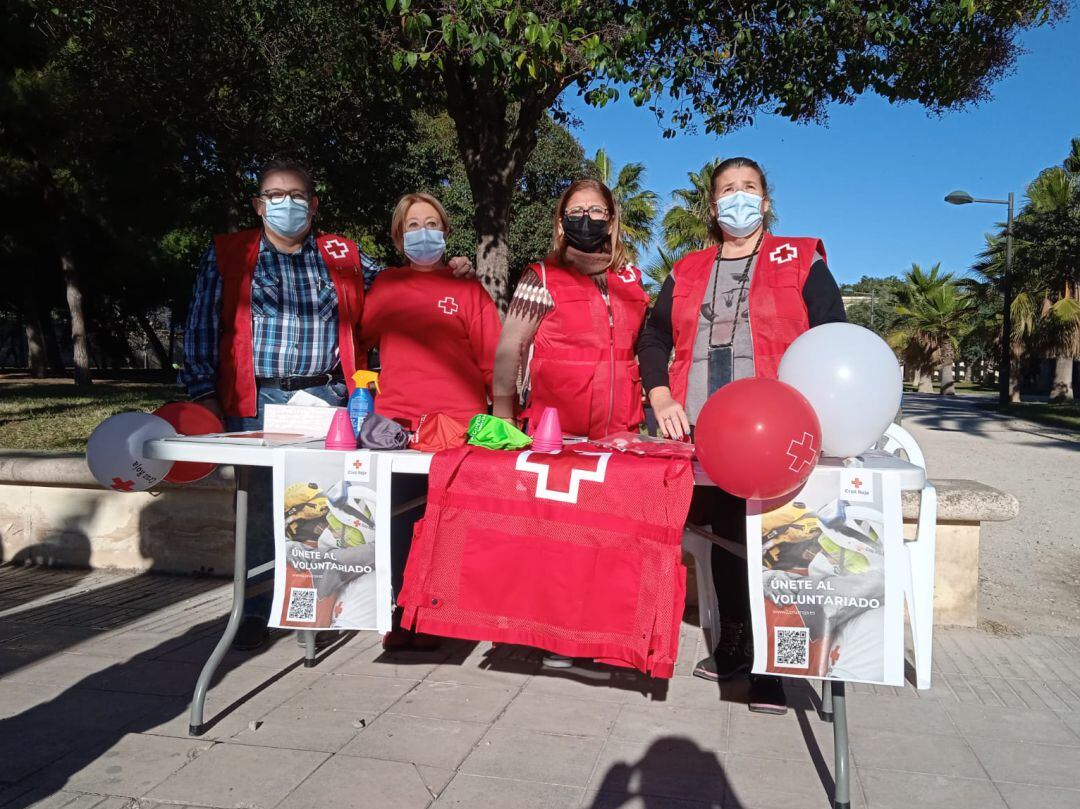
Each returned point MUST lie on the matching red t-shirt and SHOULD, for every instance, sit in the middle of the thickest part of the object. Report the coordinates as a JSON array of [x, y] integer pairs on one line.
[[436, 336]]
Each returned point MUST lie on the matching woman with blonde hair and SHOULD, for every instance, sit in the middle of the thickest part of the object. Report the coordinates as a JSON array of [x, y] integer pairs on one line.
[[436, 333], [573, 323]]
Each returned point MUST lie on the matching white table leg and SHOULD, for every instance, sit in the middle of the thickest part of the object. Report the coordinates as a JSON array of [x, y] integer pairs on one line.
[[195, 726]]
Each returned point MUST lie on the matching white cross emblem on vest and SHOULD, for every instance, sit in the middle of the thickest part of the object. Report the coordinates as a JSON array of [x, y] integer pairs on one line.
[[337, 248], [448, 305], [626, 275], [784, 253], [559, 476]]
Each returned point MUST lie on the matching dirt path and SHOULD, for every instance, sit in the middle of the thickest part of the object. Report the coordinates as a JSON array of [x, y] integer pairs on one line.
[[1030, 567]]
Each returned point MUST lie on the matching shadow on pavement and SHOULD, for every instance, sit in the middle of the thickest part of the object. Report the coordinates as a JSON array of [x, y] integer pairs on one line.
[[974, 415], [672, 768]]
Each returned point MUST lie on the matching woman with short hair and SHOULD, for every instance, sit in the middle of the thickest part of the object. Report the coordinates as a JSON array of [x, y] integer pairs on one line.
[[724, 313]]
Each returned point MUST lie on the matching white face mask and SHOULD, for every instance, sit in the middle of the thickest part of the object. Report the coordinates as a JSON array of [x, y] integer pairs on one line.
[[739, 214], [424, 246]]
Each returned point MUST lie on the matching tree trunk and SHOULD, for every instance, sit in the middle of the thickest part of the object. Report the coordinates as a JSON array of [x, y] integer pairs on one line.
[[916, 375], [926, 380], [1061, 390], [37, 357], [948, 372], [172, 334], [78, 320], [495, 142], [1014, 371], [163, 356]]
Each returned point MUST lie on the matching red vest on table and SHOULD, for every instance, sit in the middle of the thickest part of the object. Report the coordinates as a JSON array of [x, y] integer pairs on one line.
[[557, 551], [583, 360], [775, 303], [237, 254]]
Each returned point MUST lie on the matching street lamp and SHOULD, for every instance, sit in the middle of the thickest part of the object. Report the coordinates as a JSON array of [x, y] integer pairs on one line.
[[1004, 383]]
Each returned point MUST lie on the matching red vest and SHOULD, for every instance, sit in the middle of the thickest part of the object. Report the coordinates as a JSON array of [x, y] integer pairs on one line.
[[578, 553], [775, 303], [237, 254], [583, 359]]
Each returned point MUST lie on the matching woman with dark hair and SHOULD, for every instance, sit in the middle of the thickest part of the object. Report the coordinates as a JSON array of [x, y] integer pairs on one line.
[[729, 312], [573, 323]]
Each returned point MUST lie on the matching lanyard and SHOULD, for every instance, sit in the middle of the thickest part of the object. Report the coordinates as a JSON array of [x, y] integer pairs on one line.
[[710, 315]]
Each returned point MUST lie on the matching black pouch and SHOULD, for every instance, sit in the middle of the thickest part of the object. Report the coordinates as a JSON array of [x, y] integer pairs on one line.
[[721, 367]]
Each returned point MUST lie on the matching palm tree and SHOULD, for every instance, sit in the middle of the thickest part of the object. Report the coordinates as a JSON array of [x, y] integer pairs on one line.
[[660, 268], [932, 309], [637, 206], [1050, 229], [1046, 270], [686, 223]]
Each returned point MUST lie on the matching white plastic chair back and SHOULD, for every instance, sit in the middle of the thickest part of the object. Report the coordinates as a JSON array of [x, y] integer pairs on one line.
[[919, 579]]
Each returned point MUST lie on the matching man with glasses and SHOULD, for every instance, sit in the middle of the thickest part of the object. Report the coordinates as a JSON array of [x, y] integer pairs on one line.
[[275, 310]]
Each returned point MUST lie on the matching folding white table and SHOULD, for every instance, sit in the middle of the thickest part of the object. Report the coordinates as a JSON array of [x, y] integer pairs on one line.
[[244, 456]]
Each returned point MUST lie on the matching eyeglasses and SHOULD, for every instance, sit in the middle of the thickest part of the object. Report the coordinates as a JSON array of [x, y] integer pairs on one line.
[[278, 197], [593, 211]]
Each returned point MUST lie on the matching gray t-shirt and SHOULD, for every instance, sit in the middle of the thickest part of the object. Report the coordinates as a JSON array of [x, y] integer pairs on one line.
[[723, 307]]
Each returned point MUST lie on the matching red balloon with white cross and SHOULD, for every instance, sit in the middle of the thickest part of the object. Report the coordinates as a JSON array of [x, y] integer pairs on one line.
[[839, 388]]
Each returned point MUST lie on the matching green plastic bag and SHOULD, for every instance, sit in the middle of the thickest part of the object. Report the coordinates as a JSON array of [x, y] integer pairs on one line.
[[495, 433]]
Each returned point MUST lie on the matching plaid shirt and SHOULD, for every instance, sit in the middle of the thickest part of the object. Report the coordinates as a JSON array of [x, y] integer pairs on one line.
[[293, 316]]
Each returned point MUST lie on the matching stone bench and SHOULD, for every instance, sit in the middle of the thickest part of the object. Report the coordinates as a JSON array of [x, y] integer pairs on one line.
[[962, 507], [53, 512]]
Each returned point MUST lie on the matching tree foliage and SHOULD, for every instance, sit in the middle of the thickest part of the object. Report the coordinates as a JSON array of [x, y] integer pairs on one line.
[[933, 312], [714, 62], [637, 205]]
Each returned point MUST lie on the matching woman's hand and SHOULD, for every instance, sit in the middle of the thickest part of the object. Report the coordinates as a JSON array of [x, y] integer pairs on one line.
[[502, 407], [670, 415]]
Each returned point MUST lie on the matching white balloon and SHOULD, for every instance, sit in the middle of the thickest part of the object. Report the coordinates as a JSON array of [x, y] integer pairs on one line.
[[114, 451], [852, 378]]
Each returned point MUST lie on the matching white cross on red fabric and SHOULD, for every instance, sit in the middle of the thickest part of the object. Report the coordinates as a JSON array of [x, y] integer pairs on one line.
[[448, 305], [337, 248], [626, 275], [559, 476], [784, 253], [802, 452]]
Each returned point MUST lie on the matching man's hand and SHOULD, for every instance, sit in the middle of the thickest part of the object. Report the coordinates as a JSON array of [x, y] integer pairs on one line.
[[462, 267], [211, 404], [670, 415]]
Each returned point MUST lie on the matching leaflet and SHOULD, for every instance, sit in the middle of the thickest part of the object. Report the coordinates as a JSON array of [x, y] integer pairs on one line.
[[332, 535], [826, 580]]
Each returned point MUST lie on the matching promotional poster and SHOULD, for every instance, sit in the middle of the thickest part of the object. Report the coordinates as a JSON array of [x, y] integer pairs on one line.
[[829, 605], [332, 532]]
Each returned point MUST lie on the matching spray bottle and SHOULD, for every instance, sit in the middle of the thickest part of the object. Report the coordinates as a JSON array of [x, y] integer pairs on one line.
[[362, 401]]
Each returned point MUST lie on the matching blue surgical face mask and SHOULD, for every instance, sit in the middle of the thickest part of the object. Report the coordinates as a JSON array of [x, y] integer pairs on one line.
[[288, 218], [739, 214], [425, 246]]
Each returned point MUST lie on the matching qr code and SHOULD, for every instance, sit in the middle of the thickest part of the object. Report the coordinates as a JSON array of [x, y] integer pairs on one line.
[[301, 605], [792, 647]]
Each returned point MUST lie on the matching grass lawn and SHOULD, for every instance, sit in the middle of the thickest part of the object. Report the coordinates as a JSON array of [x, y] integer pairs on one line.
[[1063, 416], [54, 415]]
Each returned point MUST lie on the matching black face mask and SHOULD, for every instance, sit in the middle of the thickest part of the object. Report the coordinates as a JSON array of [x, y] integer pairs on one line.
[[585, 233]]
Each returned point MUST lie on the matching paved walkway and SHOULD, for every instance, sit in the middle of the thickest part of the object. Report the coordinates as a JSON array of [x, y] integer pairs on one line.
[[1030, 566], [97, 670]]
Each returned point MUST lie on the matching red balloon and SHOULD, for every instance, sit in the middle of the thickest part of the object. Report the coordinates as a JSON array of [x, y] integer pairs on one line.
[[758, 438], [189, 418]]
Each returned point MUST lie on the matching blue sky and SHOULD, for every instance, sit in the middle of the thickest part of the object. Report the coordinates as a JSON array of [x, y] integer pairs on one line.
[[870, 182]]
